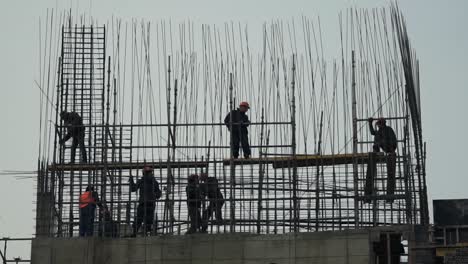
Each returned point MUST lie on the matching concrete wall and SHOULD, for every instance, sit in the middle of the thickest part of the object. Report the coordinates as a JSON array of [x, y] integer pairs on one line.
[[346, 247]]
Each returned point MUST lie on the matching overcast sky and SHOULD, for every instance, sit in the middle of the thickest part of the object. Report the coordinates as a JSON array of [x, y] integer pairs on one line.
[[437, 30]]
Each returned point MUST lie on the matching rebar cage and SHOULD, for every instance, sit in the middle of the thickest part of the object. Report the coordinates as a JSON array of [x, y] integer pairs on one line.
[[153, 95]]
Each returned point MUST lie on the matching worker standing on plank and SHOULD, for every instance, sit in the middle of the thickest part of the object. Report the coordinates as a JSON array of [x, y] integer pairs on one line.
[[149, 193], [88, 201], [385, 139], [193, 203], [209, 188], [75, 129], [237, 122]]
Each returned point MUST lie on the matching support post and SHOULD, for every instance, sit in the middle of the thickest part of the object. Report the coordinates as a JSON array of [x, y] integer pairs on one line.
[[355, 141], [293, 145], [232, 166]]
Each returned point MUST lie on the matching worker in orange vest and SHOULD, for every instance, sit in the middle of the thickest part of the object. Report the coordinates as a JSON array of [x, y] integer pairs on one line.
[[88, 201]]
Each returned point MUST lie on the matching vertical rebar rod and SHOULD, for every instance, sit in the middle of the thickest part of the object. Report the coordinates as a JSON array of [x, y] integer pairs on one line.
[[293, 146]]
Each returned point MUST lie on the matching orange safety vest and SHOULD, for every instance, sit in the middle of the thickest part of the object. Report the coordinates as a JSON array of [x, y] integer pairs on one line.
[[86, 198]]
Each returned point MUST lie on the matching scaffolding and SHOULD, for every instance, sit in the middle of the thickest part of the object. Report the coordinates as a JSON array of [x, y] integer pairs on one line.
[[308, 132]]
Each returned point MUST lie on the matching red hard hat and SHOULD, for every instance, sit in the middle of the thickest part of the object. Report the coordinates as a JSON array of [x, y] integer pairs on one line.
[[203, 176], [192, 177], [246, 104], [147, 169]]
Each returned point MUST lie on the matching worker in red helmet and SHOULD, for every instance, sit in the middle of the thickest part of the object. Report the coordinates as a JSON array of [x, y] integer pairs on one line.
[[384, 137], [237, 122], [194, 203], [149, 192]]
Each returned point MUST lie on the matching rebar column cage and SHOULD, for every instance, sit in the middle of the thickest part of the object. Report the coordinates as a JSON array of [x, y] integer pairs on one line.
[[308, 133]]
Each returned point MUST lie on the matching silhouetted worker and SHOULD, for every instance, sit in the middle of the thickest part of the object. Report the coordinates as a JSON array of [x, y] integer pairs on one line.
[[75, 129], [385, 139], [193, 203], [209, 188], [149, 193], [88, 201], [237, 122]]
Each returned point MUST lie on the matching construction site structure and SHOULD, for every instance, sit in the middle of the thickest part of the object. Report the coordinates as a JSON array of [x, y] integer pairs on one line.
[[156, 95]]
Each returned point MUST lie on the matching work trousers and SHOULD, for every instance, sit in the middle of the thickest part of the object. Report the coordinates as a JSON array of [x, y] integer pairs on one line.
[[78, 141], [214, 206], [240, 138], [145, 213], [195, 219], [87, 220]]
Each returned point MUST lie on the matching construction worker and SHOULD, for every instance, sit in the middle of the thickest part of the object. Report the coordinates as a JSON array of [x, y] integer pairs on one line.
[[75, 129], [193, 203], [88, 201], [237, 122], [384, 137], [149, 193], [209, 188]]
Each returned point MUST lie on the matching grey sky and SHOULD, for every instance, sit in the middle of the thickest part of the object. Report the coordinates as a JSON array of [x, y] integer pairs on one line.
[[436, 28]]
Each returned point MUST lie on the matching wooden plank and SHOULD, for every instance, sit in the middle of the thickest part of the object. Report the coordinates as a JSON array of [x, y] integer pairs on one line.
[[309, 160], [125, 166]]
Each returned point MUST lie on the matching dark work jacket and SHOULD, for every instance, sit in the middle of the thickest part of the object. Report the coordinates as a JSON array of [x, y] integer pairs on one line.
[[193, 195], [385, 136], [240, 121], [149, 188], [74, 124], [210, 189]]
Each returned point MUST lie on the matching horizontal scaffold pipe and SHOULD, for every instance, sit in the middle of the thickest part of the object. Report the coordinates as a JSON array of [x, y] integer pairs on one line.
[[123, 166], [185, 147], [179, 124], [310, 160]]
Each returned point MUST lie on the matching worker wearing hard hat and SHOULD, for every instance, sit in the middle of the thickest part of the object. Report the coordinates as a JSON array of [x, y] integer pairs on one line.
[[88, 201], [237, 122], [149, 192]]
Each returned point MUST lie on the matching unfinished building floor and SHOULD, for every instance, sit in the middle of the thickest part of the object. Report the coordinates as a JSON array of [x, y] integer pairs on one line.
[[351, 247]]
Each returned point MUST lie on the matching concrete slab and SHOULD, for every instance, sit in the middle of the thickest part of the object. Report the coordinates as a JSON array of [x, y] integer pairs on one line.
[[321, 247]]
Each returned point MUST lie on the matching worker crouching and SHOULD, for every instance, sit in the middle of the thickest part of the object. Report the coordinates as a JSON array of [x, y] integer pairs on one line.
[[209, 188]]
